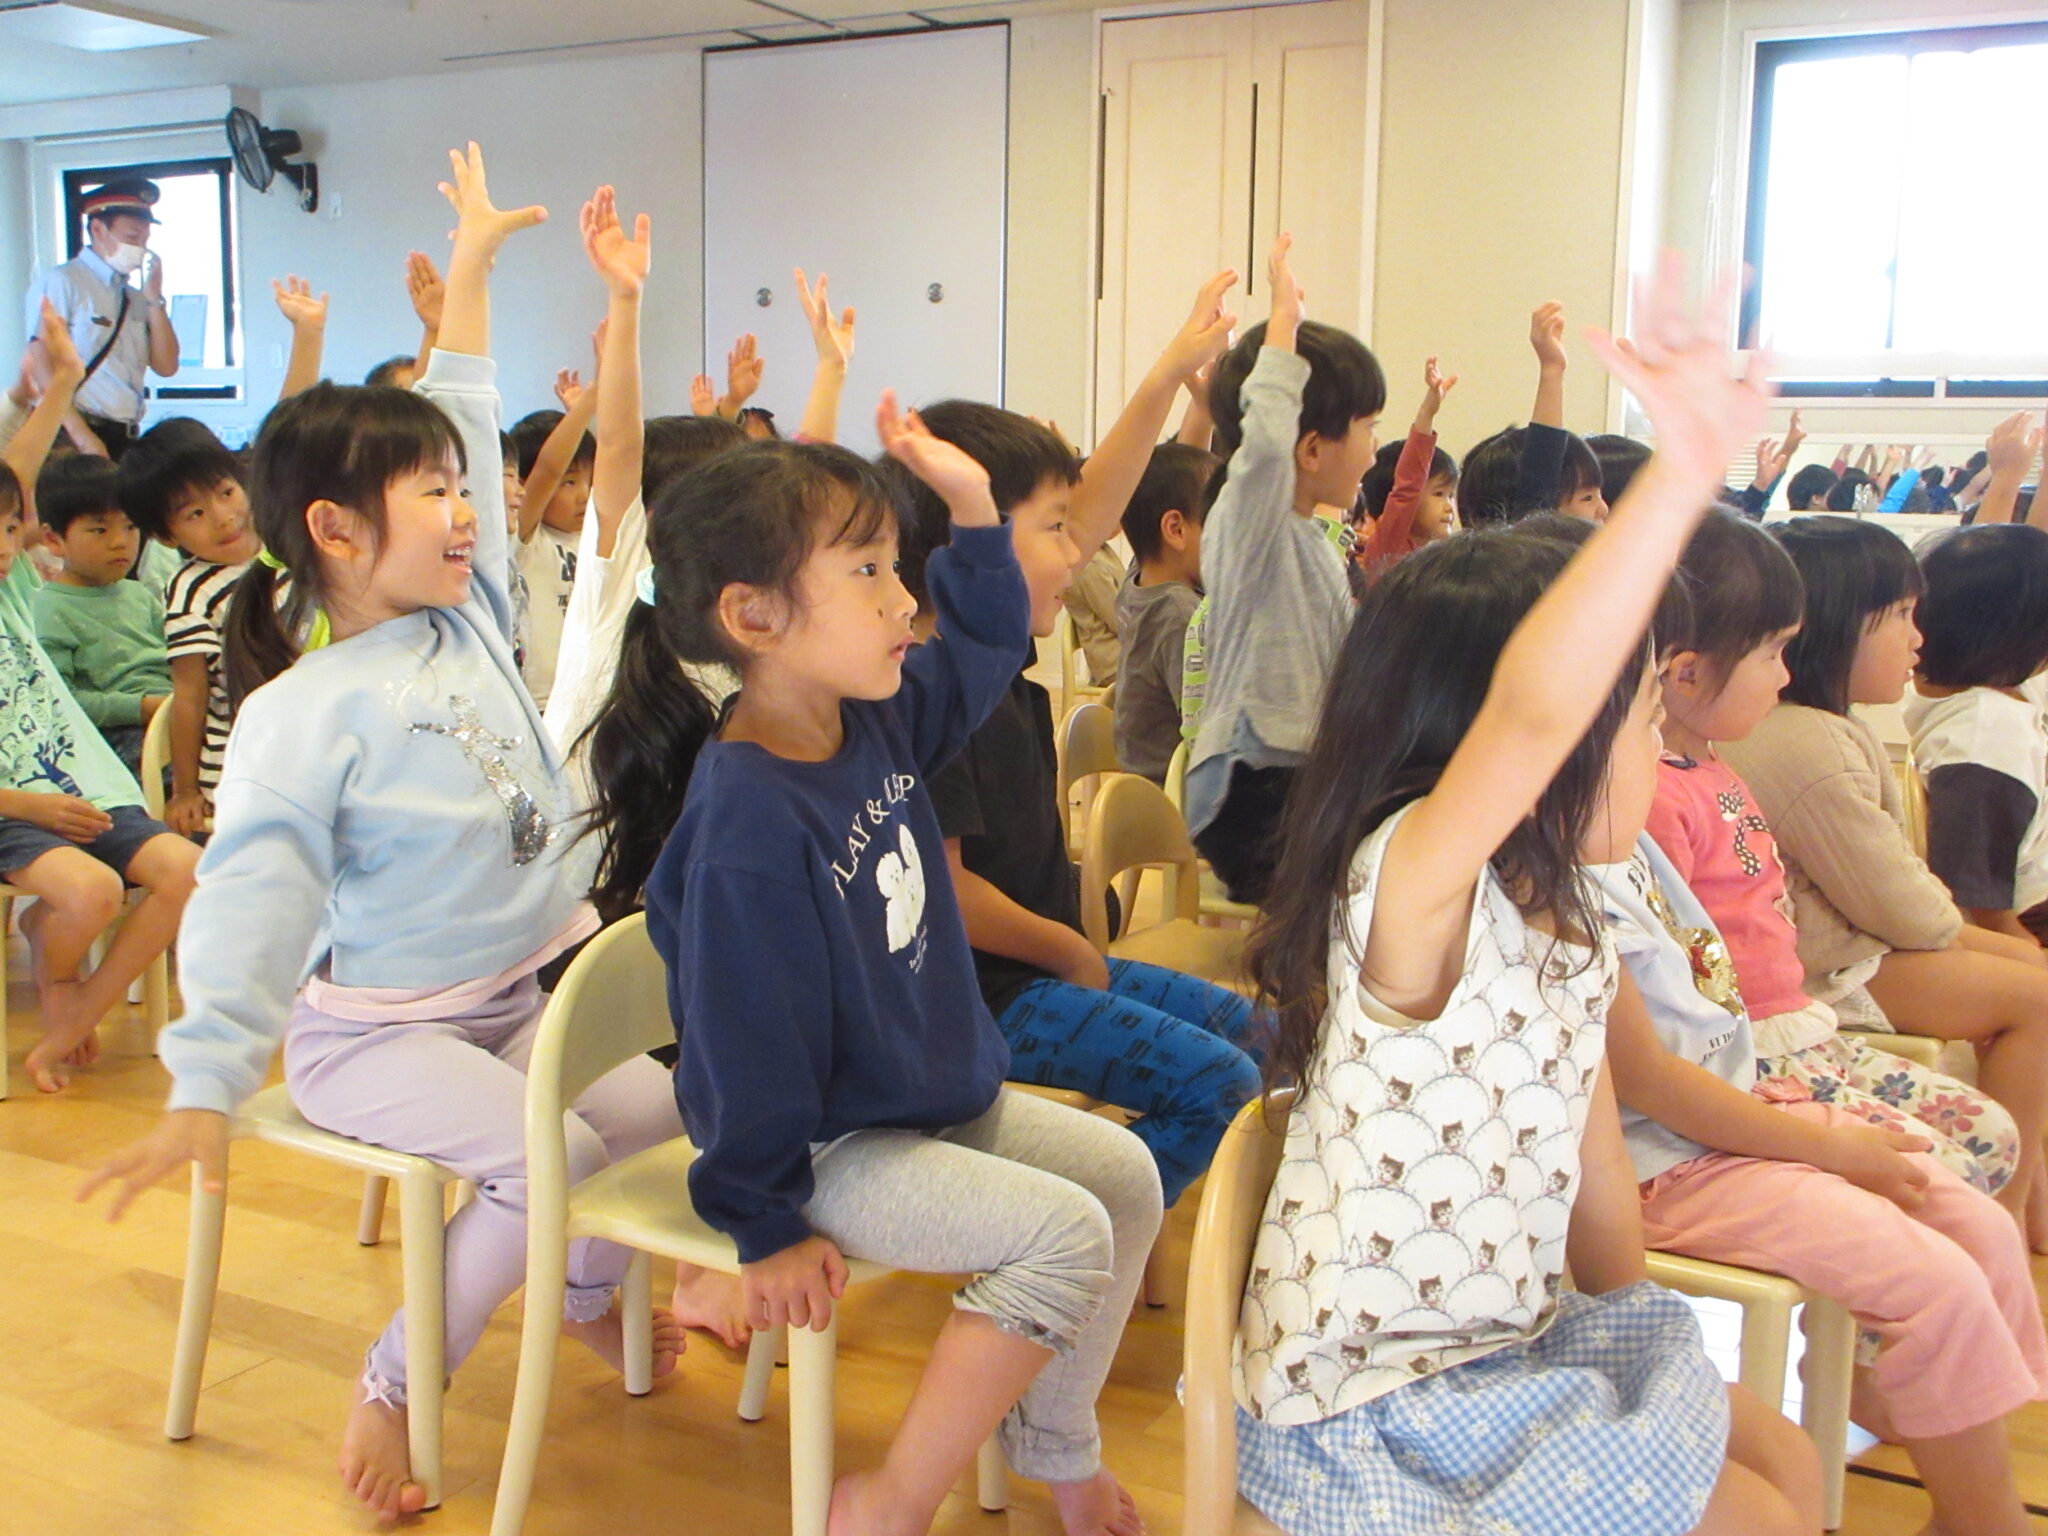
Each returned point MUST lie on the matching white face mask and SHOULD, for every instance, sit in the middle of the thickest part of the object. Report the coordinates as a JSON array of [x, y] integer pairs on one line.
[[128, 258]]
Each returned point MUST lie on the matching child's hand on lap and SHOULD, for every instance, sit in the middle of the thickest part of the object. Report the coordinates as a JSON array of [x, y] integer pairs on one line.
[[1085, 965], [182, 1136], [960, 481], [186, 814], [1678, 369], [794, 1288], [834, 338], [69, 817], [296, 303], [622, 261], [1874, 1158]]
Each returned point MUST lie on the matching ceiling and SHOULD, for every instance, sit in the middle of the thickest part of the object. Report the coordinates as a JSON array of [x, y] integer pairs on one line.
[[265, 43]]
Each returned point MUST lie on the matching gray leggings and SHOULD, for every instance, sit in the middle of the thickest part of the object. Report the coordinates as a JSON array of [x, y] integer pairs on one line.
[[1055, 1212]]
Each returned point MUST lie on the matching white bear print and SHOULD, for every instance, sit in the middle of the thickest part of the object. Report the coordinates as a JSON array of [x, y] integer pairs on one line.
[[901, 879]]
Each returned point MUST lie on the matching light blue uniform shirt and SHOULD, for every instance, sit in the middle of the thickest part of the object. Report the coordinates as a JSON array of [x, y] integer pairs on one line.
[[391, 814], [87, 293]]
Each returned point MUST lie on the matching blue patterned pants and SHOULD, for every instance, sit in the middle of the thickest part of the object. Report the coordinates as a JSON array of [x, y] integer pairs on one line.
[[1174, 1050]]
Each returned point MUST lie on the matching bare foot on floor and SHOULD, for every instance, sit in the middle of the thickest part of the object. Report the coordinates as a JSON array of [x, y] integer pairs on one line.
[[50, 1060], [606, 1338], [1097, 1506], [87, 1051], [376, 1463], [707, 1299]]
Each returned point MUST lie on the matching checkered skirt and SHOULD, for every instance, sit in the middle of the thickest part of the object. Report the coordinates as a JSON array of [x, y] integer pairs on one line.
[[1611, 1421]]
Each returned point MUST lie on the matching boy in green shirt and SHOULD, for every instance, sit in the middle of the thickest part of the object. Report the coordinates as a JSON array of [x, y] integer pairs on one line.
[[103, 632]]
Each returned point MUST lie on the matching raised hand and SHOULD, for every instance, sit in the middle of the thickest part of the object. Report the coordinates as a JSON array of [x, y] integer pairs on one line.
[[833, 337], [597, 337], [1288, 297], [1435, 386], [1679, 371], [62, 366], [743, 365], [1794, 435], [1205, 334], [569, 387], [948, 469], [153, 277], [2011, 447], [424, 287], [478, 221], [622, 261], [1770, 462], [703, 396], [296, 303], [1546, 334]]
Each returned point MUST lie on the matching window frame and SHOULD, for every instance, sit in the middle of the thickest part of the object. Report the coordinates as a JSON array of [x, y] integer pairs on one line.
[[72, 182], [1931, 377]]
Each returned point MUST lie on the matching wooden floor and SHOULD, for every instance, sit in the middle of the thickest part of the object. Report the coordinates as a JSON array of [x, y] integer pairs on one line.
[[87, 1313]]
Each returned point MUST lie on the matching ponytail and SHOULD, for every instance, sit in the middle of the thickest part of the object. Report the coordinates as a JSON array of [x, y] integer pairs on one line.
[[641, 749], [256, 644]]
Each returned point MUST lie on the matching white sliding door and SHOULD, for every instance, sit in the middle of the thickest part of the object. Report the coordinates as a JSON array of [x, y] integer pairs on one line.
[[882, 161]]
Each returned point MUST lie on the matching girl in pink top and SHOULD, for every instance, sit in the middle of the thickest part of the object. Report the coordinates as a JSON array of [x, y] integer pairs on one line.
[[1711, 829]]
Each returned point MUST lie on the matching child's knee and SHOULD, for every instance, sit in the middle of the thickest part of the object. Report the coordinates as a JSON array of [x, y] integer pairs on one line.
[[1057, 1280], [167, 866], [85, 891]]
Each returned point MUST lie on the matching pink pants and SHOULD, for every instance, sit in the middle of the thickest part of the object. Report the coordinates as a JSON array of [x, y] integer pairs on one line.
[[1946, 1288], [454, 1090]]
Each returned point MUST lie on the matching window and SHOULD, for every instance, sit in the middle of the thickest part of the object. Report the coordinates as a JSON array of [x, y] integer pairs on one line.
[[195, 239], [1894, 233]]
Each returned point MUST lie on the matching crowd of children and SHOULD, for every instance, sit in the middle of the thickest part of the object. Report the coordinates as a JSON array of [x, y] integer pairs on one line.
[[1582, 888]]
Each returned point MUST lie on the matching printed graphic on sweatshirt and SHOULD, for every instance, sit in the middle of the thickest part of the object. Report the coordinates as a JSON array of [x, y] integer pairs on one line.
[[531, 831], [901, 878], [35, 742], [898, 871]]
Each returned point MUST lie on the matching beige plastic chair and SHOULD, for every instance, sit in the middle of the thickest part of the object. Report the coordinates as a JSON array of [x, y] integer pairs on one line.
[[1066, 642], [1767, 1302], [9, 895], [611, 1006], [1215, 900], [1233, 1200], [1087, 755], [270, 1117], [1134, 826]]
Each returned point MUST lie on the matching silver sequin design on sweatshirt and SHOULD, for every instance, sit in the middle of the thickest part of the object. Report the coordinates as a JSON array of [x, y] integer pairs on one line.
[[528, 823]]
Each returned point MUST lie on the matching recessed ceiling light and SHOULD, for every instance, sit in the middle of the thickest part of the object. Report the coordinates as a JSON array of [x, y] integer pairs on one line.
[[88, 29]]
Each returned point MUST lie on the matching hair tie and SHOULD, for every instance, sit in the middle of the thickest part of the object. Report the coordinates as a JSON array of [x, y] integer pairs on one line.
[[265, 557], [643, 584]]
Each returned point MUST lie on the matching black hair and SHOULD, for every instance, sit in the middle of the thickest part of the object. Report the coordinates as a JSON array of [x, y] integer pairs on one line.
[[171, 460], [10, 493], [1983, 615], [1743, 588], [508, 451], [530, 434], [1378, 481], [1853, 571], [758, 413], [1619, 459], [673, 444], [1414, 669], [1811, 481], [74, 486], [1842, 495], [1018, 453], [343, 443], [751, 516], [385, 374], [1490, 489], [1345, 382], [1932, 476], [1174, 481]]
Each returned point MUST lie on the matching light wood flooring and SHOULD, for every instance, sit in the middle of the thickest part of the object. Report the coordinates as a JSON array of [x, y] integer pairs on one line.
[[87, 1312]]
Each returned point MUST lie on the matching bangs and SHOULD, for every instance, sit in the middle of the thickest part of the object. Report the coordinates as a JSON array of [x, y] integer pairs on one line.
[[401, 433], [854, 502]]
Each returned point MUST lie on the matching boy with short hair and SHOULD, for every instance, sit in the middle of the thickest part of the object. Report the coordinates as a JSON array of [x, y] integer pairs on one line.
[[179, 483], [102, 632], [557, 457], [1294, 404], [1164, 526]]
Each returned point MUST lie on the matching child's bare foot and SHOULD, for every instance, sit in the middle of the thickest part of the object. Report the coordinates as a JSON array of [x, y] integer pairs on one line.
[[376, 1462], [87, 1051], [1097, 1506], [48, 1066], [861, 1507], [606, 1338], [710, 1300]]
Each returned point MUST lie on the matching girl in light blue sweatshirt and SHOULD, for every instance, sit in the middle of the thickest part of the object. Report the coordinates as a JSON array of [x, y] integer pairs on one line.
[[393, 822]]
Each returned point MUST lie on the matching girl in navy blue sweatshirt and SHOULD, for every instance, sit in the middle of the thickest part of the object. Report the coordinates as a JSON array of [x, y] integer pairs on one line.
[[839, 1071]]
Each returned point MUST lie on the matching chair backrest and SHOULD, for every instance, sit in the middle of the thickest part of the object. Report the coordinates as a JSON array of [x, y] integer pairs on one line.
[[1177, 778], [610, 1006], [1132, 825], [1064, 643], [1087, 750], [1233, 1200], [156, 756], [1913, 801]]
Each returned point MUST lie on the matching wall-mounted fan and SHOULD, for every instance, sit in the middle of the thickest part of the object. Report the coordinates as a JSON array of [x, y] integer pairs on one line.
[[261, 153]]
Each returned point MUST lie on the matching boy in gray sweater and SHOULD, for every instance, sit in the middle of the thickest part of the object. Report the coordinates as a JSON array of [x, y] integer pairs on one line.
[[1295, 404]]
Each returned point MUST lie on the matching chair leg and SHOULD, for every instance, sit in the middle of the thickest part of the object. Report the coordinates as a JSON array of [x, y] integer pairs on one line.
[[370, 1222], [636, 1315], [6, 917], [813, 1389], [540, 1334], [1766, 1331], [424, 1239], [195, 1309], [156, 997], [762, 1350], [1824, 1409], [992, 1477]]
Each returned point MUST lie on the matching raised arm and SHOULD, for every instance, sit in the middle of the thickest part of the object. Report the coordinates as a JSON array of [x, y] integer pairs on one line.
[[424, 287], [551, 465], [1391, 530], [1118, 463], [623, 263], [1559, 665], [308, 319], [2009, 453], [27, 449], [833, 337], [1197, 426], [1546, 337], [481, 229], [743, 368]]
